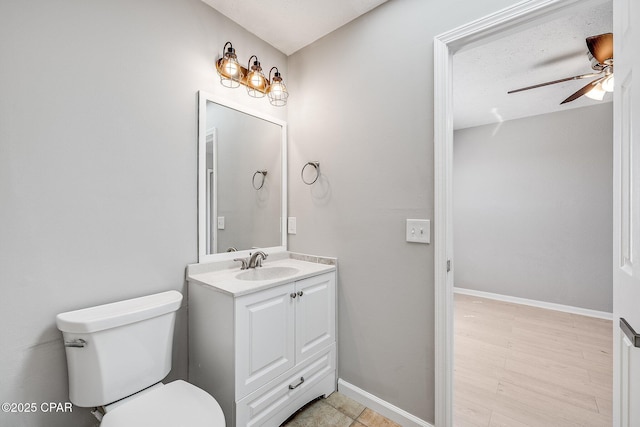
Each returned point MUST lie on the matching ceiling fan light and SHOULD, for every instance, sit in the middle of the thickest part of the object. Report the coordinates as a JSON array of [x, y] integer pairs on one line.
[[597, 93], [607, 84]]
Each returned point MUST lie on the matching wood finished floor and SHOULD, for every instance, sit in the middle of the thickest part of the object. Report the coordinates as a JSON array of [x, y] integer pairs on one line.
[[338, 411], [517, 365]]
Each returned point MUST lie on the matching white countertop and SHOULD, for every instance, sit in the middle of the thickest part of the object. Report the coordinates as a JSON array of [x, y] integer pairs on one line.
[[222, 275]]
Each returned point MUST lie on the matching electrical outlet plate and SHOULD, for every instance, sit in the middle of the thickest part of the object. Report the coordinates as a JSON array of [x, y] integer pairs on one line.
[[418, 230], [220, 223]]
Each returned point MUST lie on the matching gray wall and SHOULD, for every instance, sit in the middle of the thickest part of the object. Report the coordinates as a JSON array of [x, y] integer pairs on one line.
[[98, 124], [532, 208], [370, 125]]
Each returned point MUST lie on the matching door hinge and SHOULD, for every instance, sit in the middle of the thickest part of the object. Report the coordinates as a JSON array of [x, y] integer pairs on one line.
[[448, 265]]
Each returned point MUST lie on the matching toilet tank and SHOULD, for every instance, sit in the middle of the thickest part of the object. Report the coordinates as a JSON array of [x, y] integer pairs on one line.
[[117, 349]]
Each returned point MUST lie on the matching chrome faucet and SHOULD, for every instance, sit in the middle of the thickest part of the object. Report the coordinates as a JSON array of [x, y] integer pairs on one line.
[[256, 259], [244, 261]]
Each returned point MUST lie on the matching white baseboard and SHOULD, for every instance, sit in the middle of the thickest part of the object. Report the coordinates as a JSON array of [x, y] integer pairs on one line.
[[382, 407], [534, 303]]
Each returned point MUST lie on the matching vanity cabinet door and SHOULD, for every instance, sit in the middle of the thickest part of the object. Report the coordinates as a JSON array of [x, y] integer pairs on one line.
[[264, 337], [315, 314]]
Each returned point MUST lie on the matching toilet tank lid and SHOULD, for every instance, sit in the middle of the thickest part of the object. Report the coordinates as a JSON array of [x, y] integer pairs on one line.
[[119, 313]]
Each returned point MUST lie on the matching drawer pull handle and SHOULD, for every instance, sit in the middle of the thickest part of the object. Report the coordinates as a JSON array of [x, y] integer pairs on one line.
[[300, 293], [291, 387], [293, 295]]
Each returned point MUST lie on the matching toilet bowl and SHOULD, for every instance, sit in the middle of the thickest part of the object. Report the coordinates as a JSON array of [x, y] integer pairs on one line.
[[117, 356]]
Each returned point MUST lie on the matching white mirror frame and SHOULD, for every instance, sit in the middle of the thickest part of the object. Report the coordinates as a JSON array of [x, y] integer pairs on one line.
[[203, 256]]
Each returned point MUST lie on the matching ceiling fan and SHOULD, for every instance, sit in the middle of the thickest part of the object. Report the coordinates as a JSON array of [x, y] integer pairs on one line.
[[601, 57]]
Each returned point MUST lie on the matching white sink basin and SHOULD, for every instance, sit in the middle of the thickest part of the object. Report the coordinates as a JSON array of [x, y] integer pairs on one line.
[[267, 273]]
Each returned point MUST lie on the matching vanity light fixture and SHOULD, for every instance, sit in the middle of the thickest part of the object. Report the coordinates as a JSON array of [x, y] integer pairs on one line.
[[256, 81], [232, 75], [230, 71], [277, 91]]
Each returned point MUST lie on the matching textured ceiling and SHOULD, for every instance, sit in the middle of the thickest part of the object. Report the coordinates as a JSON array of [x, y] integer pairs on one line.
[[545, 52], [290, 25]]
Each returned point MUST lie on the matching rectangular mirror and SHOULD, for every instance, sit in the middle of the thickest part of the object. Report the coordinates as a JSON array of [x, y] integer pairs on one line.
[[241, 180]]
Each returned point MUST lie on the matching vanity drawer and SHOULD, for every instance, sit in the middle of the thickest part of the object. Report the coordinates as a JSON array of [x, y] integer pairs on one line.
[[274, 403]]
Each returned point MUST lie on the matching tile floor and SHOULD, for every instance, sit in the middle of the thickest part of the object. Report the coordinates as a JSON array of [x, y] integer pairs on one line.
[[338, 411]]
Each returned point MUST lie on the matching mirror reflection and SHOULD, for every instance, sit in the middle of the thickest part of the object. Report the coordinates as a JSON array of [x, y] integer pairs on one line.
[[243, 188]]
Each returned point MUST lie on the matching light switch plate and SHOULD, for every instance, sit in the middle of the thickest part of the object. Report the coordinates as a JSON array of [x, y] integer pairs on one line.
[[220, 223], [291, 225], [418, 230]]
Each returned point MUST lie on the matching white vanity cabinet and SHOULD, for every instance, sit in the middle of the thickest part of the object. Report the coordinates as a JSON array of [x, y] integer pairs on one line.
[[266, 353]]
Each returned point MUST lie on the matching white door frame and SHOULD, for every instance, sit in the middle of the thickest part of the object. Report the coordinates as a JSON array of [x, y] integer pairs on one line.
[[481, 31]]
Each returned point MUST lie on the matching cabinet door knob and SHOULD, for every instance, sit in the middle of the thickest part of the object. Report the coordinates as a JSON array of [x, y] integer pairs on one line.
[[293, 295], [291, 387], [300, 293]]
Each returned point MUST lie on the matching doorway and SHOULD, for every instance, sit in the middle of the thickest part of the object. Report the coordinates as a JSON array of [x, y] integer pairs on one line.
[[524, 243], [495, 26]]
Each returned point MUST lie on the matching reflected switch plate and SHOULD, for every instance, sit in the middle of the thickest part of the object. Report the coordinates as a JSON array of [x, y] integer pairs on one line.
[[418, 230], [291, 225]]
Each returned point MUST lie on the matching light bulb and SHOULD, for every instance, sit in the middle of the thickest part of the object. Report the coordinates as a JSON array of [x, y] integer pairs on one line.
[[256, 79], [276, 89], [231, 68]]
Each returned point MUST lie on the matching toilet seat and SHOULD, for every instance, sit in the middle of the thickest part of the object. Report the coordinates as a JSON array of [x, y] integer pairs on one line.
[[175, 404]]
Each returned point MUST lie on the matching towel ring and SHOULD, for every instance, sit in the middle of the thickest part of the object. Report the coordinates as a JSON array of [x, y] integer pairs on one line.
[[316, 165], [253, 180]]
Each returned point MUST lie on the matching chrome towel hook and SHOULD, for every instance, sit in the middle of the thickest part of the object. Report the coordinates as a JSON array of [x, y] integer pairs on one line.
[[253, 180], [316, 166]]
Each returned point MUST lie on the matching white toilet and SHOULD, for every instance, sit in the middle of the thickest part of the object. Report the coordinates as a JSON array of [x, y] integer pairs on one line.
[[117, 356]]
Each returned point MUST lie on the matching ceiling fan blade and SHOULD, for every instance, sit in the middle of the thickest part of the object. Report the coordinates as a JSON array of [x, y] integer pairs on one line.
[[583, 76], [583, 90], [601, 47]]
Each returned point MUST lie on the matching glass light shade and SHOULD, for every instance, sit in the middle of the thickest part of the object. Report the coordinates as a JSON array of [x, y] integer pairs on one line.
[[607, 84], [597, 93]]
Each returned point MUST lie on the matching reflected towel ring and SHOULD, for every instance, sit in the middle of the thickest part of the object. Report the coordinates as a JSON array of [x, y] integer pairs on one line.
[[316, 165], [253, 180]]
